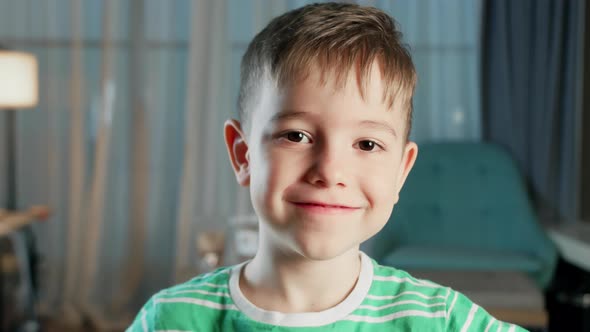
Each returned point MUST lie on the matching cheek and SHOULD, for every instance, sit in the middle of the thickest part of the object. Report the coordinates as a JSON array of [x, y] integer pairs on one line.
[[381, 190], [271, 174], [259, 175], [381, 178], [385, 200]]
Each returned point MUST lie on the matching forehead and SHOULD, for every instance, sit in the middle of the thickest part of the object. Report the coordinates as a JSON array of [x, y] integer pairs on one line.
[[368, 84], [319, 95], [322, 90]]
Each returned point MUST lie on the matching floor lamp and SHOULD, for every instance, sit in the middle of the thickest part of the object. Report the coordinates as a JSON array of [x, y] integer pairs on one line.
[[18, 90]]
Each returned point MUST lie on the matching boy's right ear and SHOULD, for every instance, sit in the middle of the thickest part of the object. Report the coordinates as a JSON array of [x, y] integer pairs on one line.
[[237, 148]]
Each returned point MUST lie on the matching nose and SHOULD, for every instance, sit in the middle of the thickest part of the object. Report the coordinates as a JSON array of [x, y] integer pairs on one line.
[[328, 167]]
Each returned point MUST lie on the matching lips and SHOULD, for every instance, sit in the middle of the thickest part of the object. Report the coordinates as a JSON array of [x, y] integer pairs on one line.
[[321, 207]]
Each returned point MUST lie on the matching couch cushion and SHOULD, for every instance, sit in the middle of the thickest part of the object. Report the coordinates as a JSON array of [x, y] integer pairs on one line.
[[433, 258]]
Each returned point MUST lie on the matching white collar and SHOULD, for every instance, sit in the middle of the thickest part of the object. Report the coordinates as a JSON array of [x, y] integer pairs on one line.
[[328, 316]]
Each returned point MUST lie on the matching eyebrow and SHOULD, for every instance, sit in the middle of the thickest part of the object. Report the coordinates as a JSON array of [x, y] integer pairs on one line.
[[379, 125], [289, 114]]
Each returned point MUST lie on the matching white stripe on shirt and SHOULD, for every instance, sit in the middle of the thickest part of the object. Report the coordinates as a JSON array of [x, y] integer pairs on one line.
[[408, 280], [393, 297], [200, 302], [490, 324], [395, 304], [396, 315], [469, 318], [209, 274], [200, 292], [199, 286], [452, 304], [143, 321]]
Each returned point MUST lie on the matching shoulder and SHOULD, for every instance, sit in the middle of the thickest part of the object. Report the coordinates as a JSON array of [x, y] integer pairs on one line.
[[212, 283], [173, 307], [465, 315], [208, 291], [399, 300], [425, 302], [391, 280]]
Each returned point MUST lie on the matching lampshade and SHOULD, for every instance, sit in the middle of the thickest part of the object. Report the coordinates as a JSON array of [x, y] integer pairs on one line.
[[18, 80]]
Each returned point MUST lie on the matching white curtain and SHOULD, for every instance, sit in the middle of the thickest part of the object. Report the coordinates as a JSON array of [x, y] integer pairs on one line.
[[126, 143], [126, 146]]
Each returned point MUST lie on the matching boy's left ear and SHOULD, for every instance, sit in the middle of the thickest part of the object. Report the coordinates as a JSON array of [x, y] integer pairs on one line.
[[408, 159]]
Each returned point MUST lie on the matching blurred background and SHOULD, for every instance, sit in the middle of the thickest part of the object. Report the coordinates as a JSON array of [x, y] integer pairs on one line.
[[124, 147]]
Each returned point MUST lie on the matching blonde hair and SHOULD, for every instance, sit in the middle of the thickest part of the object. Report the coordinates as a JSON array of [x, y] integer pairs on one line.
[[337, 38]]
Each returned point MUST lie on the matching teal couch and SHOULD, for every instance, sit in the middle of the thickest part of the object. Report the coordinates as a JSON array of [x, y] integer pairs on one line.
[[465, 206]]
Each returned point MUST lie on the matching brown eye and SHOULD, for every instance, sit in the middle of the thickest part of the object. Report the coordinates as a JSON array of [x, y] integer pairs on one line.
[[297, 137], [367, 145]]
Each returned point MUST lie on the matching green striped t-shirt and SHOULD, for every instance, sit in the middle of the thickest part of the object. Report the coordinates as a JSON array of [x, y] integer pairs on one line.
[[383, 299]]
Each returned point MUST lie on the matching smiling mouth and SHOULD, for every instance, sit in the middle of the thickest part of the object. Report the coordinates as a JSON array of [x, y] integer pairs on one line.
[[324, 208]]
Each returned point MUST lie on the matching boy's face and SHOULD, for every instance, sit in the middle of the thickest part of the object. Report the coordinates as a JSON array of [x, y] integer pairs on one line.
[[324, 165]]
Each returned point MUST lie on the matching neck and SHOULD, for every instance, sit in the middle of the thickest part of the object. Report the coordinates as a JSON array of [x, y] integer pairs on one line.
[[276, 281]]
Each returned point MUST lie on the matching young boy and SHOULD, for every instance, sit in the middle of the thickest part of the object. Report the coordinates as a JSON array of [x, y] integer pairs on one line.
[[325, 102]]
